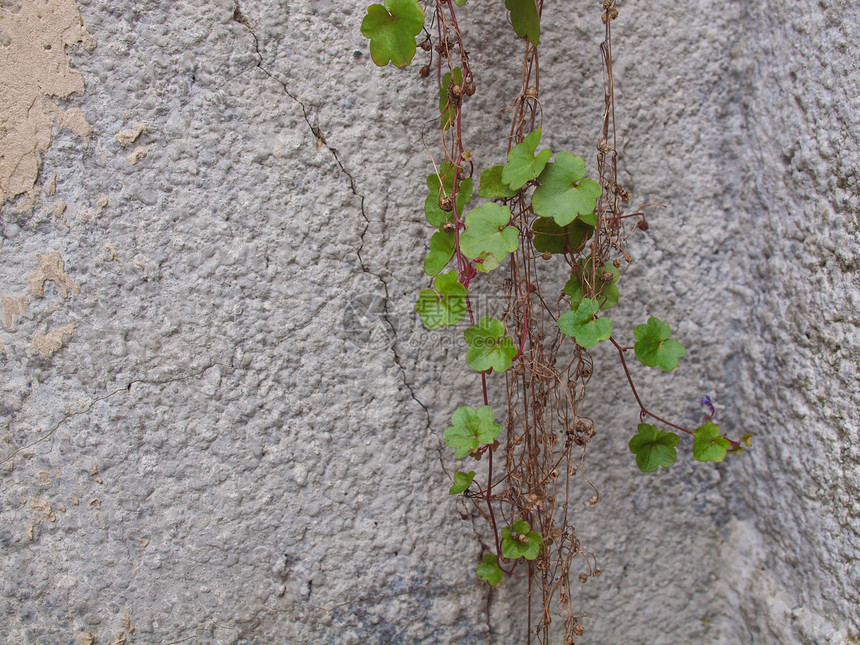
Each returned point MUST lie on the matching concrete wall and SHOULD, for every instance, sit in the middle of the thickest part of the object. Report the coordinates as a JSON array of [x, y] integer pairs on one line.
[[219, 421]]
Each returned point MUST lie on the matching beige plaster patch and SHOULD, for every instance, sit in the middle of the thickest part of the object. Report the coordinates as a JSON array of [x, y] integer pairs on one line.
[[11, 311], [47, 344], [110, 249], [126, 137], [136, 155], [72, 119], [120, 639], [59, 208], [51, 186], [43, 506], [51, 267], [34, 66]]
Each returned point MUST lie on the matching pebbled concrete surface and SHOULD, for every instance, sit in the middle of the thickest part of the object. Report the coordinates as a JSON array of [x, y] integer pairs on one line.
[[229, 428]]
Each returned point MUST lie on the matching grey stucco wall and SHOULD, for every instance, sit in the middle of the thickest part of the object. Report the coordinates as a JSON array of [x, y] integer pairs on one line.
[[211, 452]]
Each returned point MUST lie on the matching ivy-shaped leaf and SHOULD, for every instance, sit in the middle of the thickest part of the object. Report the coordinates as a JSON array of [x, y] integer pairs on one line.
[[489, 570], [471, 428], [462, 481], [492, 186], [487, 230], [392, 28], [653, 448], [565, 193], [446, 305], [581, 325], [552, 238], [608, 296], [710, 444], [654, 347], [439, 190], [460, 3], [519, 541], [523, 165], [489, 348], [441, 252], [448, 109], [525, 19]]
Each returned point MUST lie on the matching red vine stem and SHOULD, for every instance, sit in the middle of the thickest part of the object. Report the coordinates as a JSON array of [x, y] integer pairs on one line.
[[643, 411]]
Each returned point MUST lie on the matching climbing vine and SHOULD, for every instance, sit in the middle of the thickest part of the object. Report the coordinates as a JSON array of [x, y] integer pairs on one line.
[[541, 212]]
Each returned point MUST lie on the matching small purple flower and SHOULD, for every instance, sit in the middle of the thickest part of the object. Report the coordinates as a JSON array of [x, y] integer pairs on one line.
[[706, 401]]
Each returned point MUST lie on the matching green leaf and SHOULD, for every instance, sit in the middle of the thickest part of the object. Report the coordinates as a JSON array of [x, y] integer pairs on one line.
[[392, 28], [462, 481], [489, 348], [448, 109], [513, 544], [525, 19], [446, 308], [564, 192], [492, 186], [581, 325], [522, 164], [710, 445], [608, 296], [459, 3], [552, 238], [441, 252], [489, 569], [487, 231], [653, 448], [441, 189], [654, 347], [471, 428]]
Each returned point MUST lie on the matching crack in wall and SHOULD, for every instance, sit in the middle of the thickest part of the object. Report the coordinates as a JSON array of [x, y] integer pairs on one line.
[[107, 396], [242, 19]]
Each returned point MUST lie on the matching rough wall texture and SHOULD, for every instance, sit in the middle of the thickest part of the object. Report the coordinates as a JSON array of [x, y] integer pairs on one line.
[[205, 437]]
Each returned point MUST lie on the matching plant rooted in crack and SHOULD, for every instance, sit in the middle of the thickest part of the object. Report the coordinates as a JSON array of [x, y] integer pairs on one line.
[[542, 208]]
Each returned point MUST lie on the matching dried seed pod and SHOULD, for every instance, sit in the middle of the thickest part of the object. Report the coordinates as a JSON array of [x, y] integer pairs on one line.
[[469, 87], [546, 255], [583, 578], [424, 72], [448, 227], [425, 45], [446, 203]]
